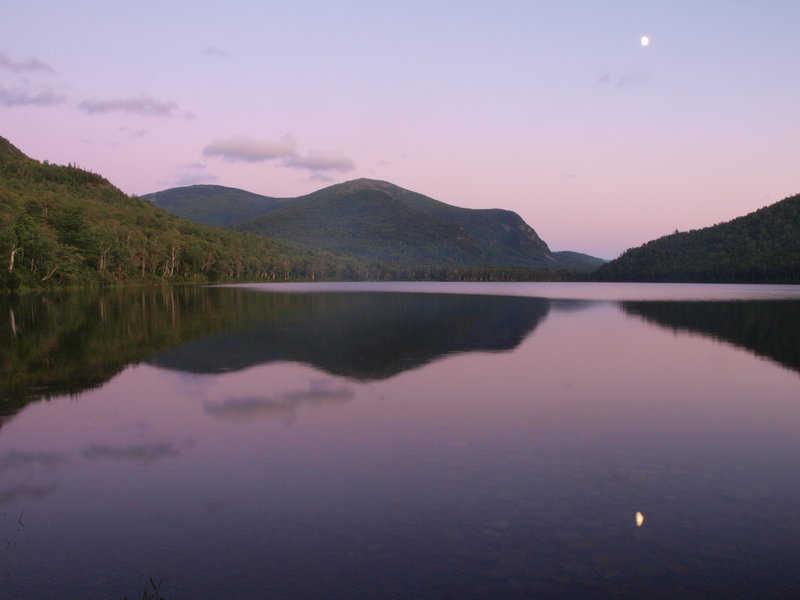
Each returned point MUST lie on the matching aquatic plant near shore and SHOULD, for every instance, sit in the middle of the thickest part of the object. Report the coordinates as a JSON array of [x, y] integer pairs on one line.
[[145, 595]]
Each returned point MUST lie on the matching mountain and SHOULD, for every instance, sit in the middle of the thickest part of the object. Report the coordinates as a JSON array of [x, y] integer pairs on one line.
[[212, 204], [581, 262], [61, 225], [761, 247], [376, 221]]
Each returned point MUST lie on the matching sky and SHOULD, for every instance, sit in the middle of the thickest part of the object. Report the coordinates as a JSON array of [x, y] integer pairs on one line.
[[552, 109]]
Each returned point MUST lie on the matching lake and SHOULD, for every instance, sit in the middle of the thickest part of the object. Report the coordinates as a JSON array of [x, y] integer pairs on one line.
[[402, 440]]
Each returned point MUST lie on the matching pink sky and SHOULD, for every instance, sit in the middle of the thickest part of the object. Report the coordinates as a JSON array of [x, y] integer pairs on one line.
[[551, 109]]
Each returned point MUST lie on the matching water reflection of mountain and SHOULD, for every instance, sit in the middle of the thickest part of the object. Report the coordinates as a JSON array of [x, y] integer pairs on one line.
[[364, 336], [67, 342], [766, 328]]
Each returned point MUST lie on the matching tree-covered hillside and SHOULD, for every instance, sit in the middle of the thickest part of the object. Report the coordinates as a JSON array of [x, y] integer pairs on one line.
[[61, 225], [578, 261], [502, 236], [762, 247], [369, 225], [378, 223], [212, 204]]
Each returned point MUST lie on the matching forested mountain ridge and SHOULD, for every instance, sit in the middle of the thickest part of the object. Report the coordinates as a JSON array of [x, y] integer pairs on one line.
[[376, 220], [379, 222], [220, 206], [61, 225], [588, 262], [761, 247]]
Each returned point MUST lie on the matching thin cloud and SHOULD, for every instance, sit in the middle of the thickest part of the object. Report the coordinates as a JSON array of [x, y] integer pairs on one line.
[[195, 177], [20, 97], [190, 174], [24, 460], [243, 148], [142, 453], [133, 133], [26, 492], [331, 160], [378, 166], [623, 81], [214, 51], [30, 65], [144, 106], [320, 177]]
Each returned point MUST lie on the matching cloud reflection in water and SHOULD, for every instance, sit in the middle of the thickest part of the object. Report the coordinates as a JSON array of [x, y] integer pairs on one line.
[[143, 453], [242, 409], [30, 492]]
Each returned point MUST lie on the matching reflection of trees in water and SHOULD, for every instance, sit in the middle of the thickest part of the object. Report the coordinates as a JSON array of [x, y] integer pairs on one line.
[[368, 335], [766, 328], [67, 342]]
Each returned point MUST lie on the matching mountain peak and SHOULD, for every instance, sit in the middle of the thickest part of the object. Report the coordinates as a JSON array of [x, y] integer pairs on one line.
[[375, 221], [362, 184]]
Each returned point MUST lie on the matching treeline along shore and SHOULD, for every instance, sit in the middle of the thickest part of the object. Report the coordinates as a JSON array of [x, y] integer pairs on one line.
[[63, 226]]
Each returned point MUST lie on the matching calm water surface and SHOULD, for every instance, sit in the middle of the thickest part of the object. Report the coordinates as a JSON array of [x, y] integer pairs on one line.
[[402, 441]]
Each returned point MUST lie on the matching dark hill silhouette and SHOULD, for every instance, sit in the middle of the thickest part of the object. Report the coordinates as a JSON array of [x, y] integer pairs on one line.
[[364, 336], [61, 342], [62, 225], [765, 328], [761, 247], [220, 206], [377, 221]]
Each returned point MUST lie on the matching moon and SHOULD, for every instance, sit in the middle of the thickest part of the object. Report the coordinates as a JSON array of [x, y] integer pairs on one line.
[[645, 40]]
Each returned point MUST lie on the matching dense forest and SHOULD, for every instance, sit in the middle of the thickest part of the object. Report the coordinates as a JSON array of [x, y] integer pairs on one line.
[[61, 226], [65, 226], [762, 247], [379, 223], [215, 205]]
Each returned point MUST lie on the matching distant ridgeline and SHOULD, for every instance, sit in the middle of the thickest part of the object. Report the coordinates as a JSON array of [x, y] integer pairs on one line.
[[409, 235], [62, 226], [65, 226], [762, 247]]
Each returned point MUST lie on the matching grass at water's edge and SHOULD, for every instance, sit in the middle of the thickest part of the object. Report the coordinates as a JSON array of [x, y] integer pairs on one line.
[[422, 274], [153, 592]]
